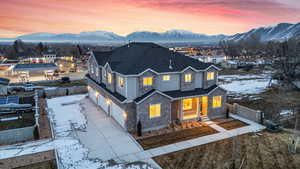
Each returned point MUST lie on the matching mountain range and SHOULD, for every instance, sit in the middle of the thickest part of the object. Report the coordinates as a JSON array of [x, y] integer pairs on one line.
[[278, 32]]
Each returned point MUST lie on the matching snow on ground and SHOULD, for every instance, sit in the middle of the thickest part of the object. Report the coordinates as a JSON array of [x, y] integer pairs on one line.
[[239, 85], [65, 115]]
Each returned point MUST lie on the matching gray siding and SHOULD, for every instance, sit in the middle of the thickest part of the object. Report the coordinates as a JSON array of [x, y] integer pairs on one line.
[[220, 111], [131, 87], [199, 80], [121, 90], [112, 85], [92, 69], [172, 84], [103, 75]]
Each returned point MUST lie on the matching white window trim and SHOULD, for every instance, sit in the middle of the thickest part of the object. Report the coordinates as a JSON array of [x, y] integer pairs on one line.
[[119, 77], [147, 84], [212, 78], [155, 116], [213, 102], [191, 78], [166, 75]]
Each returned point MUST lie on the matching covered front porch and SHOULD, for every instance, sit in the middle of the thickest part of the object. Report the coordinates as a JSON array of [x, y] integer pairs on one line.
[[190, 109]]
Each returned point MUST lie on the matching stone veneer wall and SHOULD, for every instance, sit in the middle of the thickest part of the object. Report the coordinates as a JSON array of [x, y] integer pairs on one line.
[[156, 122], [220, 111]]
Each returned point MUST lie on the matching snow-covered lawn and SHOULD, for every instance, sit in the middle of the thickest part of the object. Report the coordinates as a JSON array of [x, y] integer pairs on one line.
[[65, 116], [239, 85]]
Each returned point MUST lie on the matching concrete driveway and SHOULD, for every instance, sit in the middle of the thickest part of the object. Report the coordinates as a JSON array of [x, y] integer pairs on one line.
[[104, 137]]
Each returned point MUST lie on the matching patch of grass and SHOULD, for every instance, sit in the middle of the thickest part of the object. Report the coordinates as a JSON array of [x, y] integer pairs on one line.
[[176, 136], [269, 151]]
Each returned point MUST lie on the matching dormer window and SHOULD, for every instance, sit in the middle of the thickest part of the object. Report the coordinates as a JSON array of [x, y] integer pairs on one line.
[[188, 78], [166, 77], [121, 81], [109, 78], [210, 75], [92, 68], [97, 72], [104, 72], [147, 81]]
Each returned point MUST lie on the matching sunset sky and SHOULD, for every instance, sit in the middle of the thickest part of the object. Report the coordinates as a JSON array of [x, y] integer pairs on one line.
[[19, 17]]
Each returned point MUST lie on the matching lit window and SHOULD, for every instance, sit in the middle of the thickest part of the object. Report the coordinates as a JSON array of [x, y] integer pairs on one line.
[[210, 75], [187, 104], [188, 77], [109, 78], [217, 101], [147, 81], [121, 81], [166, 77], [154, 110]]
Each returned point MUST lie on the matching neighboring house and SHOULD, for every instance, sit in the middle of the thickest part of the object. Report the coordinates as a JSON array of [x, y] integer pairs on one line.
[[216, 59], [147, 83], [3, 86]]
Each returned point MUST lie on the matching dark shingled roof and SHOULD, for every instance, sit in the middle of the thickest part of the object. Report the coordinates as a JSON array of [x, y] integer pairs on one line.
[[144, 96], [135, 58], [179, 94], [102, 57], [196, 92]]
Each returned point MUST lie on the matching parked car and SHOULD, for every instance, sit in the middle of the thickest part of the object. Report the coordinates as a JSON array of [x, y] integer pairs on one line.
[[65, 79]]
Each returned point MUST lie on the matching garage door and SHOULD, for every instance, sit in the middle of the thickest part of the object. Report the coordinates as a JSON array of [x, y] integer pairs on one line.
[[92, 95], [118, 114], [102, 103]]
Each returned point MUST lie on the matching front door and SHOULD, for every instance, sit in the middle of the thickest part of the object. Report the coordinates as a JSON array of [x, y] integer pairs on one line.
[[204, 106]]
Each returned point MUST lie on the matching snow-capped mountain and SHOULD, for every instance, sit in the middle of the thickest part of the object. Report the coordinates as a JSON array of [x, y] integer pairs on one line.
[[93, 36], [173, 35], [280, 32]]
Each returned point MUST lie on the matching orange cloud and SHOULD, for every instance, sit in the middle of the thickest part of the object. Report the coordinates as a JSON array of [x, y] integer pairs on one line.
[[125, 16]]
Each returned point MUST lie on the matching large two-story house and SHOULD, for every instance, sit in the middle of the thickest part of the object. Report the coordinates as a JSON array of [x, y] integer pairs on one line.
[[149, 84]]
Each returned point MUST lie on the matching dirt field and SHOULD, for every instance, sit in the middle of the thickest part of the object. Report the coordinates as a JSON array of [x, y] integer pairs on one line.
[[232, 124], [42, 160], [44, 128], [268, 151], [176, 136]]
